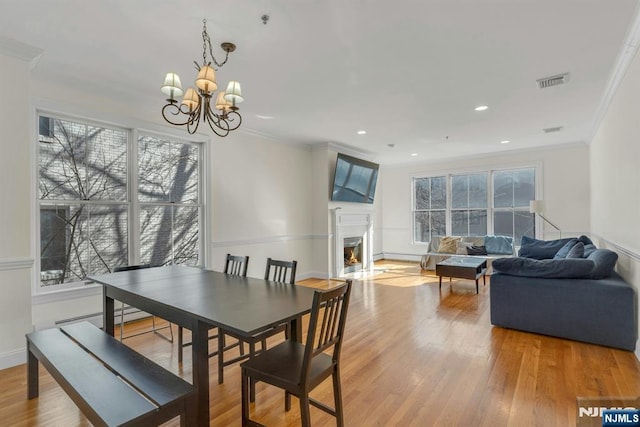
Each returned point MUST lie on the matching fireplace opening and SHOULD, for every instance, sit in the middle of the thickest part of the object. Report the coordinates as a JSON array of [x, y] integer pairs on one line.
[[352, 254]]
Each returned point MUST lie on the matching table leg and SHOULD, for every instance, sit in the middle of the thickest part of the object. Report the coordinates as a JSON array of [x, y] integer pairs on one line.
[[476, 286], [296, 329], [440, 282], [200, 361], [107, 312], [32, 374]]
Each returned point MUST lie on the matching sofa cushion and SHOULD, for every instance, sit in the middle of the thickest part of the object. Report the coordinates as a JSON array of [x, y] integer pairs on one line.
[[545, 268], [577, 251], [604, 262], [477, 250], [501, 245], [448, 245], [563, 251], [540, 249]]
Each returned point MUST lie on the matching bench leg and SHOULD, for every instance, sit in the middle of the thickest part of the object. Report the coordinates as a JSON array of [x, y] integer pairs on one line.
[[32, 374]]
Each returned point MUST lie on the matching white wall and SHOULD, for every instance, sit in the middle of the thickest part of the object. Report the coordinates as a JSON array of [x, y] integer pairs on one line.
[[261, 202], [564, 186], [15, 209], [615, 178]]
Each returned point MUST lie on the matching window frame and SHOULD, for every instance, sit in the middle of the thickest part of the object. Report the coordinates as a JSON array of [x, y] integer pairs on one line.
[[43, 293]]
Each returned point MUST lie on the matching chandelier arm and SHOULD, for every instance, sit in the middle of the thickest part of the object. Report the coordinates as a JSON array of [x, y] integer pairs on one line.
[[194, 121], [231, 117], [174, 110], [217, 123]]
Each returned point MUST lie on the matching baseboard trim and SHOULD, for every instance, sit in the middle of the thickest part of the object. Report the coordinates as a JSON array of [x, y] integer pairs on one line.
[[400, 256], [13, 358]]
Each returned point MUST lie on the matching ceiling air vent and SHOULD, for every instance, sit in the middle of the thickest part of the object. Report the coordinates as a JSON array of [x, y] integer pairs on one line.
[[546, 82], [555, 129]]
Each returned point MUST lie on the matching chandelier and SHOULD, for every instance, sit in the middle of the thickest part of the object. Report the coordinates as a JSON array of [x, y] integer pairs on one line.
[[223, 116]]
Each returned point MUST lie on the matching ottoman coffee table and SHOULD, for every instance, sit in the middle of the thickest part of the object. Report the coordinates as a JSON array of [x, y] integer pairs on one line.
[[462, 267]]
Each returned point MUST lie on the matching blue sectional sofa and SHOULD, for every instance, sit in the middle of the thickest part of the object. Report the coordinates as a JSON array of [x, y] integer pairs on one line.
[[578, 297]]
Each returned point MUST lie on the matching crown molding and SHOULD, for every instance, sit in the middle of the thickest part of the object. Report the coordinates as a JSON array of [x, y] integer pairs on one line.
[[19, 50], [625, 57]]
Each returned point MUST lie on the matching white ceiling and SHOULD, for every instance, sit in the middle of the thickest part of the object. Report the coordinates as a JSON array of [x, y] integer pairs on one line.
[[409, 72]]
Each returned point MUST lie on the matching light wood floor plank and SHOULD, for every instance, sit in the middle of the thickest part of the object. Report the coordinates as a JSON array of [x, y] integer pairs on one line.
[[413, 356]]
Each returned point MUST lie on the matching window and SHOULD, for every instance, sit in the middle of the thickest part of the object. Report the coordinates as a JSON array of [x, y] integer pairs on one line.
[[469, 205], [513, 189], [86, 214], [474, 204], [430, 208], [168, 193]]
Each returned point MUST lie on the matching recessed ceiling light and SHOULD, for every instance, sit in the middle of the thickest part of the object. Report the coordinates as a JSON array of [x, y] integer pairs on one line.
[[506, 141], [481, 107], [264, 117], [361, 132], [414, 154]]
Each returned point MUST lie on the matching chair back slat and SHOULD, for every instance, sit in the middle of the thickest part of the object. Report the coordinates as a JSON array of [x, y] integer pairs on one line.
[[277, 271], [236, 265], [326, 325]]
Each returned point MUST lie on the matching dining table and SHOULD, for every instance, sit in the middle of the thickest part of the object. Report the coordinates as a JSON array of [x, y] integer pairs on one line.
[[198, 299]]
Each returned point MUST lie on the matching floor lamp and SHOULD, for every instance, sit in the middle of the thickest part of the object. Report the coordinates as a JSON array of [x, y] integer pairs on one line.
[[536, 207]]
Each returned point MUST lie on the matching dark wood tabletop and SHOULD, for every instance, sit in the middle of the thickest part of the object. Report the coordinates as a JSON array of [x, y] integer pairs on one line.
[[199, 299]]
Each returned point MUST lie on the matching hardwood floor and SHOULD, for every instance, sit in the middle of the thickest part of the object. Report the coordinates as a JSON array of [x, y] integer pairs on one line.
[[413, 356]]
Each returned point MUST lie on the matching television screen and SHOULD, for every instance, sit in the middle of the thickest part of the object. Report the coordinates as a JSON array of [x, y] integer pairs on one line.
[[354, 180]]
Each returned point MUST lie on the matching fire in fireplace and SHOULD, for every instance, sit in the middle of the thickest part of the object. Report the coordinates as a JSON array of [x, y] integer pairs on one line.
[[352, 254]]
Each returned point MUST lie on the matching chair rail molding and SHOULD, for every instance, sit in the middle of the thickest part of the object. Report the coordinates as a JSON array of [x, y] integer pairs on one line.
[[16, 263]]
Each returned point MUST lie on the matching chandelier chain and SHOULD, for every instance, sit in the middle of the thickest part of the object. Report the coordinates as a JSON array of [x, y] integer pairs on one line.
[[206, 42]]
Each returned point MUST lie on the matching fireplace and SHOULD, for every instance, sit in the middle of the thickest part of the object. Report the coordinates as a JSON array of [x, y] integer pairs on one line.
[[352, 242]]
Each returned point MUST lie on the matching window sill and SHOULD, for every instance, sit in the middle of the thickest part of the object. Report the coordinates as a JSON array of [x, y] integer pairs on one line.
[[45, 297]]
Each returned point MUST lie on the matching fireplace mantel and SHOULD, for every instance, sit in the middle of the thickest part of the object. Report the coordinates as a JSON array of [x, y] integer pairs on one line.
[[351, 223]]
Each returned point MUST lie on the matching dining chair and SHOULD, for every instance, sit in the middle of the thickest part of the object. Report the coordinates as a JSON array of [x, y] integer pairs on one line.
[[235, 265], [299, 368], [276, 271], [154, 329]]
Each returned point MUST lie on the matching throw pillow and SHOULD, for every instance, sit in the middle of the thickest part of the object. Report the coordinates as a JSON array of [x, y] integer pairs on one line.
[[502, 245], [585, 240], [448, 245], [563, 251], [540, 249], [461, 248], [604, 260], [577, 251], [588, 250], [477, 250]]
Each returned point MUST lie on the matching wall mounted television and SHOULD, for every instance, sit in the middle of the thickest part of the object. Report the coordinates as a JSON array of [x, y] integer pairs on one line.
[[354, 180]]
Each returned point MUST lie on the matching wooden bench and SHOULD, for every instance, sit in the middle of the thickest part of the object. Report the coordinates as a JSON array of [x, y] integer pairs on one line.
[[112, 384]]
